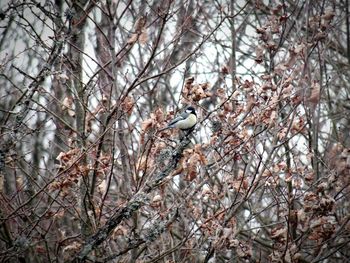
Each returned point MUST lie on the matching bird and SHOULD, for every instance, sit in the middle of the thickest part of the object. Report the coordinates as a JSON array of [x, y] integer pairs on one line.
[[185, 121]]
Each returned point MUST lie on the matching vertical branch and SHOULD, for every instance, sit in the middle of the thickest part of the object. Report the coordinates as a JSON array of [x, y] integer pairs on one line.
[[76, 54], [233, 46], [126, 185], [307, 90]]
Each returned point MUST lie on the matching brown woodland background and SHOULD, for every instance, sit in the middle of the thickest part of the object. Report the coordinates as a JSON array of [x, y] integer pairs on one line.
[[85, 176]]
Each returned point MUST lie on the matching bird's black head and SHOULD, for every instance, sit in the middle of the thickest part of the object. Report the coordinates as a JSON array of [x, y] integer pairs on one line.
[[190, 109]]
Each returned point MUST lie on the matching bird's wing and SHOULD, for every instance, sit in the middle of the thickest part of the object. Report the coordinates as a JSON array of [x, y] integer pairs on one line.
[[178, 118]]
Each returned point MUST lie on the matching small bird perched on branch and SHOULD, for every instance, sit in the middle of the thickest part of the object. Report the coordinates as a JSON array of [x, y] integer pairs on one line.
[[185, 121]]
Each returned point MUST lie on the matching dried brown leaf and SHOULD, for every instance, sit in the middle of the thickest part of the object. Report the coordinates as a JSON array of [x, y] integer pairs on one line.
[[119, 231], [133, 39], [315, 93], [140, 24], [74, 246], [279, 233], [147, 124], [328, 15], [143, 38], [128, 104]]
